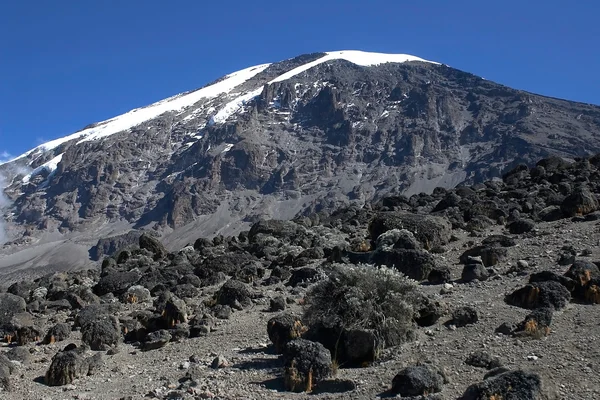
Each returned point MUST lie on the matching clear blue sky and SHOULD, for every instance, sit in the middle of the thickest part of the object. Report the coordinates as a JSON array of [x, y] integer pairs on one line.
[[67, 63]]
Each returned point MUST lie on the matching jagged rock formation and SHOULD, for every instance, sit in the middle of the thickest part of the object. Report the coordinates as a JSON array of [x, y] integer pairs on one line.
[[278, 141]]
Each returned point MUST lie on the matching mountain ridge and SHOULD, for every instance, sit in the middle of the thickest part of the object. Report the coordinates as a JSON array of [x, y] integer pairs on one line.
[[331, 134]]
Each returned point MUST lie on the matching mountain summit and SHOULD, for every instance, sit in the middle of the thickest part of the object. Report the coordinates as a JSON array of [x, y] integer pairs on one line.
[[277, 140]]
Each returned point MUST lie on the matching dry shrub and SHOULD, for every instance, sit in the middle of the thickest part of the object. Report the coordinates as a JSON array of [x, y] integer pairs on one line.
[[363, 297]]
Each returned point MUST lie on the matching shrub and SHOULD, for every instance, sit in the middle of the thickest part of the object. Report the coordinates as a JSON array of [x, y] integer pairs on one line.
[[364, 298]]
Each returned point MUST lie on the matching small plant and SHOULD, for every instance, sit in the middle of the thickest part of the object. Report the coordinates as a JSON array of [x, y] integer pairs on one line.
[[592, 294], [533, 329]]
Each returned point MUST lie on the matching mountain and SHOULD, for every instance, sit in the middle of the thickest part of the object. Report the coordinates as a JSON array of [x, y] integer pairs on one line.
[[278, 140]]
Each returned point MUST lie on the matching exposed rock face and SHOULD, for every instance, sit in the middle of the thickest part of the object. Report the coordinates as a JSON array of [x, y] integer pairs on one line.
[[334, 134]]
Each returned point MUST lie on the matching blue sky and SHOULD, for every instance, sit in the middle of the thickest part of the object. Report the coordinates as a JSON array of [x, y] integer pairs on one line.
[[68, 63]]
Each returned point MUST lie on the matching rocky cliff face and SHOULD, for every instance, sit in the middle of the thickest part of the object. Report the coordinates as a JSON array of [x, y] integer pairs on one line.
[[278, 141]]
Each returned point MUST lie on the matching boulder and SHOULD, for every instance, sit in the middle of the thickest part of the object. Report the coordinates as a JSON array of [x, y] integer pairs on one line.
[[284, 328], [157, 339], [66, 366], [153, 245], [416, 264], [235, 294], [305, 363], [417, 380], [547, 294], [507, 385], [463, 316], [520, 226], [581, 202], [101, 333], [57, 333], [431, 231]]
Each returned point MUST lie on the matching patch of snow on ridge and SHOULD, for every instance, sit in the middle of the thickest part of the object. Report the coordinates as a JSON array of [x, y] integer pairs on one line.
[[362, 58], [233, 106], [49, 166], [140, 115], [357, 57]]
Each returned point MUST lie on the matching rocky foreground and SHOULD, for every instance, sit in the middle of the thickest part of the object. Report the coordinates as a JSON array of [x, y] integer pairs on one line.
[[482, 292]]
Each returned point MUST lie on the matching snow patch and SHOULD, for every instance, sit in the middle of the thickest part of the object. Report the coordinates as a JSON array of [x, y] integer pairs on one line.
[[228, 147], [49, 166], [139, 115], [362, 58]]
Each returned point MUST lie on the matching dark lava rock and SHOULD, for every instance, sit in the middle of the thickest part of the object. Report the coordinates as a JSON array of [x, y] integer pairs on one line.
[[581, 202], [117, 283], [431, 231], [416, 264], [6, 368], [490, 255], [67, 366], [521, 226], [540, 294], [537, 323], [359, 346], [483, 359], [544, 276], [156, 340], [235, 294], [20, 354], [10, 306], [153, 245], [474, 271], [101, 333], [516, 385], [174, 311], [439, 275], [277, 304], [305, 363], [464, 316], [417, 381], [284, 328], [58, 333]]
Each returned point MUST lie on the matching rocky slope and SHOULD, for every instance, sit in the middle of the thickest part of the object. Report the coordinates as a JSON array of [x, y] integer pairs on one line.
[[503, 304], [278, 140]]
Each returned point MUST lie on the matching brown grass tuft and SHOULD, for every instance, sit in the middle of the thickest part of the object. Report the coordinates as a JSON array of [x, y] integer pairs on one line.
[[592, 294]]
